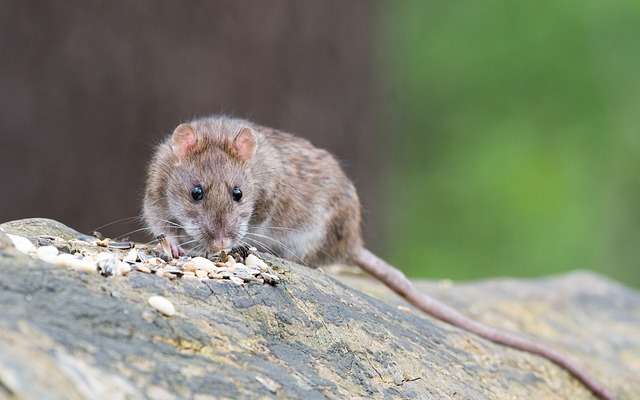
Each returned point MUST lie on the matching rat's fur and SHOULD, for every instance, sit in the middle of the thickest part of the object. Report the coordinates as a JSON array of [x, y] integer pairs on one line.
[[297, 202]]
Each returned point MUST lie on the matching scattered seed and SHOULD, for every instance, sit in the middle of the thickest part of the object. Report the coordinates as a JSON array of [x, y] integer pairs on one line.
[[269, 384], [69, 261], [190, 266], [166, 247], [155, 261], [131, 257], [204, 263], [143, 268], [44, 252], [142, 255], [103, 256], [162, 304], [109, 266], [121, 245], [174, 271], [23, 244], [269, 278], [253, 261], [123, 268], [236, 280], [241, 251], [237, 267]]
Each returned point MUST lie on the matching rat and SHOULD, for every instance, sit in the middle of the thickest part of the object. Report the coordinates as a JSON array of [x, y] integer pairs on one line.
[[220, 182]]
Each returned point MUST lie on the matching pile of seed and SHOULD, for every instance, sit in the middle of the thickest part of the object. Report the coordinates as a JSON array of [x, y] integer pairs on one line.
[[121, 258]]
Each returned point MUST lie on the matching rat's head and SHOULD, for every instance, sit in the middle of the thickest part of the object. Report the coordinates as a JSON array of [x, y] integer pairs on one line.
[[210, 191]]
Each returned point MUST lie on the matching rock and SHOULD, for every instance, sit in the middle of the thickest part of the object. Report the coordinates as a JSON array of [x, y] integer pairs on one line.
[[66, 334], [33, 227]]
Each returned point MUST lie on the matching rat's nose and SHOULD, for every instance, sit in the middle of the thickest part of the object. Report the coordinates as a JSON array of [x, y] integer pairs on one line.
[[220, 243]]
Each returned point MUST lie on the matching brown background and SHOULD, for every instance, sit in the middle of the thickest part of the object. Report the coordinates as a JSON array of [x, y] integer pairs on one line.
[[88, 87]]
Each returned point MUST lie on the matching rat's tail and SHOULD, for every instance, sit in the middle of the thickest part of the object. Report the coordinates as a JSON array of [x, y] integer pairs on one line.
[[400, 284]]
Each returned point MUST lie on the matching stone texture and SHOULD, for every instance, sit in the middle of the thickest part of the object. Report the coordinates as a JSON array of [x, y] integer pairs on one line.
[[66, 334]]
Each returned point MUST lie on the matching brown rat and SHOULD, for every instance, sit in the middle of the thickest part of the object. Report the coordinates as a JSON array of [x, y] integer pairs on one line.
[[219, 182]]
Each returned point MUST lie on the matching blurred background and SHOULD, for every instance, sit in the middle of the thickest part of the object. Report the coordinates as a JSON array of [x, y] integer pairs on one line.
[[497, 138]]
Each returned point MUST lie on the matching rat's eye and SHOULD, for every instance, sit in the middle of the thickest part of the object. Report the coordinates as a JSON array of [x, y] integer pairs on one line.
[[237, 193], [197, 193]]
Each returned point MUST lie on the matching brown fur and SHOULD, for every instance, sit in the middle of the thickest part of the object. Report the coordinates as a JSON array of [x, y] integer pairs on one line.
[[275, 185]]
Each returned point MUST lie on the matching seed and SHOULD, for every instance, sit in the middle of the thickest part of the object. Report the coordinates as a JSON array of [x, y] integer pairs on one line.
[[45, 252], [68, 261], [174, 271], [23, 244], [123, 268], [164, 243], [142, 268], [131, 257], [121, 245], [271, 279], [253, 261], [162, 304], [189, 266], [203, 263], [236, 280], [155, 261], [269, 384], [103, 256]]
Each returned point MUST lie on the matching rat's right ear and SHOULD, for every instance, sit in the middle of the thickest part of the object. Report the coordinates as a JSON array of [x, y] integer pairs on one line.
[[185, 140]]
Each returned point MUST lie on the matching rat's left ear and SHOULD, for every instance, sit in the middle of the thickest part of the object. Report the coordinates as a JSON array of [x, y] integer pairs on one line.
[[245, 144]]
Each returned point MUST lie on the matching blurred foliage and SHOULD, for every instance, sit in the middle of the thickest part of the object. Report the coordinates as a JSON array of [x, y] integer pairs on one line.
[[516, 137]]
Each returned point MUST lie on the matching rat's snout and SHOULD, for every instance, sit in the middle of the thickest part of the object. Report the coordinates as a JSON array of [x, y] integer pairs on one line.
[[220, 243], [216, 239]]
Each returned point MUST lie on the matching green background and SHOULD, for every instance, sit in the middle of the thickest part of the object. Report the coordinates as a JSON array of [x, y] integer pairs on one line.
[[514, 134]]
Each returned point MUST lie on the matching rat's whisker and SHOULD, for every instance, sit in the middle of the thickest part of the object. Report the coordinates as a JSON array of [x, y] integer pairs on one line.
[[120, 237], [283, 228], [258, 243], [279, 243], [136, 218]]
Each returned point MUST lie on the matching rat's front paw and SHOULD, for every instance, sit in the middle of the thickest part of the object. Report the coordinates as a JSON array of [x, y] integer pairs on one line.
[[170, 245]]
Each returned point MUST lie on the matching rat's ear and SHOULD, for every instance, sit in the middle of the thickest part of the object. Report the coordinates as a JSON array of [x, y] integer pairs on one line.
[[245, 144], [185, 140]]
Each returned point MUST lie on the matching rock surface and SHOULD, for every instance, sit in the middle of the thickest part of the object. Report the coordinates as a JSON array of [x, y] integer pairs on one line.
[[66, 334]]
